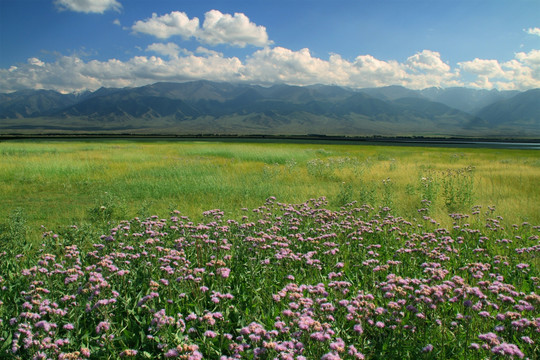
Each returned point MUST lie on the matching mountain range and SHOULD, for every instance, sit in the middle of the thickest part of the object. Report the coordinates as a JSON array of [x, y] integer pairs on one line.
[[204, 107]]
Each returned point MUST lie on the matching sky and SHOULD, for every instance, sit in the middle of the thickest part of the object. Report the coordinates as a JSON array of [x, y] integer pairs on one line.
[[78, 45]]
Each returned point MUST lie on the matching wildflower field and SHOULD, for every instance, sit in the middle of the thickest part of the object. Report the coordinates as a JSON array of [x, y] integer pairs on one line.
[[403, 253]]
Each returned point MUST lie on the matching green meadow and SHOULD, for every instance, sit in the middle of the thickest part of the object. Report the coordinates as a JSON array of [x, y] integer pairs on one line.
[[60, 183], [238, 250]]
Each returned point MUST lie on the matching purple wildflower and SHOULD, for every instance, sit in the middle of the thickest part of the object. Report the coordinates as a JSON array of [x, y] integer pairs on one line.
[[44, 325], [172, 353], [103, 326], [338, 345], [489, 338], [128, 352], [358, 328], [224, 272], [330, 356], [507, 349]]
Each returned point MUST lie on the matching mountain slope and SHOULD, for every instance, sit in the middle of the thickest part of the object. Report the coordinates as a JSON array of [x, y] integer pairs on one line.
[[30, 103], [223, 108], [393, 92], [465, 99], [520, 110]]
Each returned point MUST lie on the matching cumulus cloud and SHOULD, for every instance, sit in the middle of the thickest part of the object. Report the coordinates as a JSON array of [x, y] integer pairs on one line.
[[170, 49], [477, 66], [428, 61], [217, 28], [205, 51], [72, 74], [165, 26], [284, 65], [269, 66], [281, 65], [426, 69], [236, 30], [64, 75], [484, 70], [531, 58], [533, 31], [520, 73], [372, 72], [88, 6]]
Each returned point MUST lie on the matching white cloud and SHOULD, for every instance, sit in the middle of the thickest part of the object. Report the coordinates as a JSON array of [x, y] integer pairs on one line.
[[520, 73], [117, 22], [205, 51], [35, 62], [270, 66], [484, 70], [482, 67], [533, 31], [217, 28], [71, 74], [526, 69], [368, 71], [280, 65], [88, 6], [531, 58], [428, 61], [235, 30], [163, 27], [170, 49], [64, 75]]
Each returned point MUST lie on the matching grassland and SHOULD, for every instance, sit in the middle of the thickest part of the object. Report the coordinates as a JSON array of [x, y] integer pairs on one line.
[[372, 267], [59, 183]]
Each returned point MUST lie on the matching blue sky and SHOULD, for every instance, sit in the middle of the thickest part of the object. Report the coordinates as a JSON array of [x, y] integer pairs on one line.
[[73, 45]]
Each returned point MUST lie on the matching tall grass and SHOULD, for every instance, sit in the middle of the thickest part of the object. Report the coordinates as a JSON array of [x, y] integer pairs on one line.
[[59, 183]]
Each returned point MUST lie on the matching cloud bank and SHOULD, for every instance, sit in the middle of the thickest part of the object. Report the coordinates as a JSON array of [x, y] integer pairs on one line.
[[88, 6], [269, 66]]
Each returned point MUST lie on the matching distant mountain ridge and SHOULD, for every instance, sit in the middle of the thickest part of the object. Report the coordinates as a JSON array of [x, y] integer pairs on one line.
[[226, 108]]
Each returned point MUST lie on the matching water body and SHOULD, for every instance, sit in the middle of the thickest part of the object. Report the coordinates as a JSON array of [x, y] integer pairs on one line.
[[472, 144], [447, 143]]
